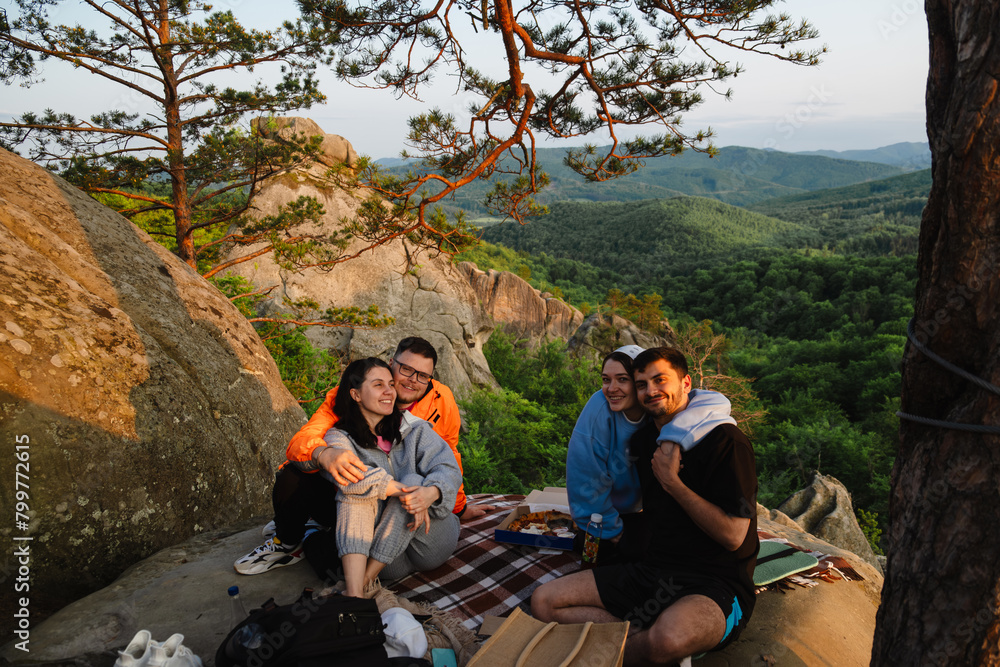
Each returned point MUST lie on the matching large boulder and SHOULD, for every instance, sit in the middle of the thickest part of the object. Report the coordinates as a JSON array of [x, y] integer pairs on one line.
[[519, 307], [601, 333], [333, 148], [828, 624], [183, 589], [149, 407], [824, 508], [426, 294]]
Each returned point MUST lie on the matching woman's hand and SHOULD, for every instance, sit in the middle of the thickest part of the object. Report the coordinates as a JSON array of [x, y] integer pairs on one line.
[[419, 498], [420, 519], [394, 488], [343, 465]]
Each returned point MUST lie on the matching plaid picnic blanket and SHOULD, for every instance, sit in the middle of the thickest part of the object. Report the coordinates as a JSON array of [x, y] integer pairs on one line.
[[488, 578], [483, 577]]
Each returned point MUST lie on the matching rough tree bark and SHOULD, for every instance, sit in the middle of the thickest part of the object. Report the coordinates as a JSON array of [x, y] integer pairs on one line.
[[941, 599]]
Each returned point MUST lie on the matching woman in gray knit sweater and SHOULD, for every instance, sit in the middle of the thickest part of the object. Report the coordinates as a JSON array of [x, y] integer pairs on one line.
[[397, 519]]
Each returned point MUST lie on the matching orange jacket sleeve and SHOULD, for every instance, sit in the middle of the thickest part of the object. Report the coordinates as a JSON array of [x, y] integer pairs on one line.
[[439, 408], [310, 436]]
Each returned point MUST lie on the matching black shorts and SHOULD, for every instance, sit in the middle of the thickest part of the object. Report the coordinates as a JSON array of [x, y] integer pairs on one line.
[[638, 593]]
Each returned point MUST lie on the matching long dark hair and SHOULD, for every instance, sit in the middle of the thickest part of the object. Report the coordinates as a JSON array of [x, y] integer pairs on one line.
[[349, 416]]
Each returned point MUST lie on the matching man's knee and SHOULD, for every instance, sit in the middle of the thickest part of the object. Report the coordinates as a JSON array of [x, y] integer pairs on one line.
[[665, 645], [542, 603]]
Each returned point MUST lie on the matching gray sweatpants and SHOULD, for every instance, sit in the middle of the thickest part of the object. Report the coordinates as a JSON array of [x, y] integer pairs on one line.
[[377, 529]]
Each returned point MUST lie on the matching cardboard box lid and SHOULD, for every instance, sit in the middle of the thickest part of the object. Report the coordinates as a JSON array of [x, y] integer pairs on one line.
[[550, 496]]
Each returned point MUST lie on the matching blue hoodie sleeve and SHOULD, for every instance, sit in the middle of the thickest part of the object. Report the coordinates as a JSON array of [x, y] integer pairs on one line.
[[706, 410], [588, 473]]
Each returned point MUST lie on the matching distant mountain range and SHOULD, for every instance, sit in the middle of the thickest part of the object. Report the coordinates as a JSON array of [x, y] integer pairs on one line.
[[737, 175], [908, 155]]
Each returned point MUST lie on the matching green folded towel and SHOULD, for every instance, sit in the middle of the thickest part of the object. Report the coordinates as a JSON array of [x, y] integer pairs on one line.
[[777, 560]]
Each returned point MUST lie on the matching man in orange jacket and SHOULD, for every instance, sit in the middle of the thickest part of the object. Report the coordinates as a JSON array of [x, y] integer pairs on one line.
[[412, 366]]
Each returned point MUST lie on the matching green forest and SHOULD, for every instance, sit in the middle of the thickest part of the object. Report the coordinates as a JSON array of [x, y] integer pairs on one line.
[[810, 293]]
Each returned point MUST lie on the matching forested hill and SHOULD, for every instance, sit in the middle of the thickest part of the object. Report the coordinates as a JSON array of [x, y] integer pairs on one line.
[[872, 219], [903, 196], [869, 219], [650, 237], [737, 175]]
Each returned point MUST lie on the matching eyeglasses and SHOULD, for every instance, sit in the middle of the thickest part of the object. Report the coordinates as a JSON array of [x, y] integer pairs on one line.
[[408, 371]]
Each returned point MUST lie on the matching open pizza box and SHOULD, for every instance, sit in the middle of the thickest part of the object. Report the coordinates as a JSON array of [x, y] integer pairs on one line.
[[550, 499]]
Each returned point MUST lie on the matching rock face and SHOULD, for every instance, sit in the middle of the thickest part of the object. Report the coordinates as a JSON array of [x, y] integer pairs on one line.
[[519, 307], [150, 408], [333, 149], [425, 293], [599, 334], [828, 624], [183, 589], [824, 509]]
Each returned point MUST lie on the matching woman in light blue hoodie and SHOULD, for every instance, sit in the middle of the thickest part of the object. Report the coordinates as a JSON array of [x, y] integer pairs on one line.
[[600, 475]]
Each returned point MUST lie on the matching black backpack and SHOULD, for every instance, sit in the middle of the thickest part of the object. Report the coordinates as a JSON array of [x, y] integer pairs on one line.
[[336, 630]]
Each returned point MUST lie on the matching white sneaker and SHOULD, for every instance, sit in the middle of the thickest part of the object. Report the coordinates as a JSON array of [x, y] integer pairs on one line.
[[268, 556], [143, 651], [178, 655], [137, 651]]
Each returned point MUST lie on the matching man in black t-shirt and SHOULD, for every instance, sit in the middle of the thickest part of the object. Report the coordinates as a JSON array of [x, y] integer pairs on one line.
[[693, 591]]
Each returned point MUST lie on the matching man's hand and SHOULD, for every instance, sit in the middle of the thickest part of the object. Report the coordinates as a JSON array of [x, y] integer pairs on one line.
[[417, 499], [667, 466], [420, 519], [472, 512], [727, 530], [343, 464]]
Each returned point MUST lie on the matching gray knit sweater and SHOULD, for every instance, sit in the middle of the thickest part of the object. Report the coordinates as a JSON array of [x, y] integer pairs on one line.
[[422, 458]]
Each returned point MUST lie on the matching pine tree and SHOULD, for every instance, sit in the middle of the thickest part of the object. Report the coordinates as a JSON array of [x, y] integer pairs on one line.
[[609, 66], [171, 56]]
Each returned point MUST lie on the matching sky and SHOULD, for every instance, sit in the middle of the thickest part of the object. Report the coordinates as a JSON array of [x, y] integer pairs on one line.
[[868, 91]]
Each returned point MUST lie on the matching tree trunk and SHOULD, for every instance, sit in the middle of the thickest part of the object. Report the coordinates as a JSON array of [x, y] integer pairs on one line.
[[941, 599], [175, 138]]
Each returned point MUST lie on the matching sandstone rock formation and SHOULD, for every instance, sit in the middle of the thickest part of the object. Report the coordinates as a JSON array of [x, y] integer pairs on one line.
[[333, 149], [424, 292], [183, 589], [151, 408], [519, 307], [824, 509], [601, 333]]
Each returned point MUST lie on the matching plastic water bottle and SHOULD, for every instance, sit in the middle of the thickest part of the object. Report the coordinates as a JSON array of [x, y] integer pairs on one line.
[[592, 540], [251, 635], [237, 612]]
